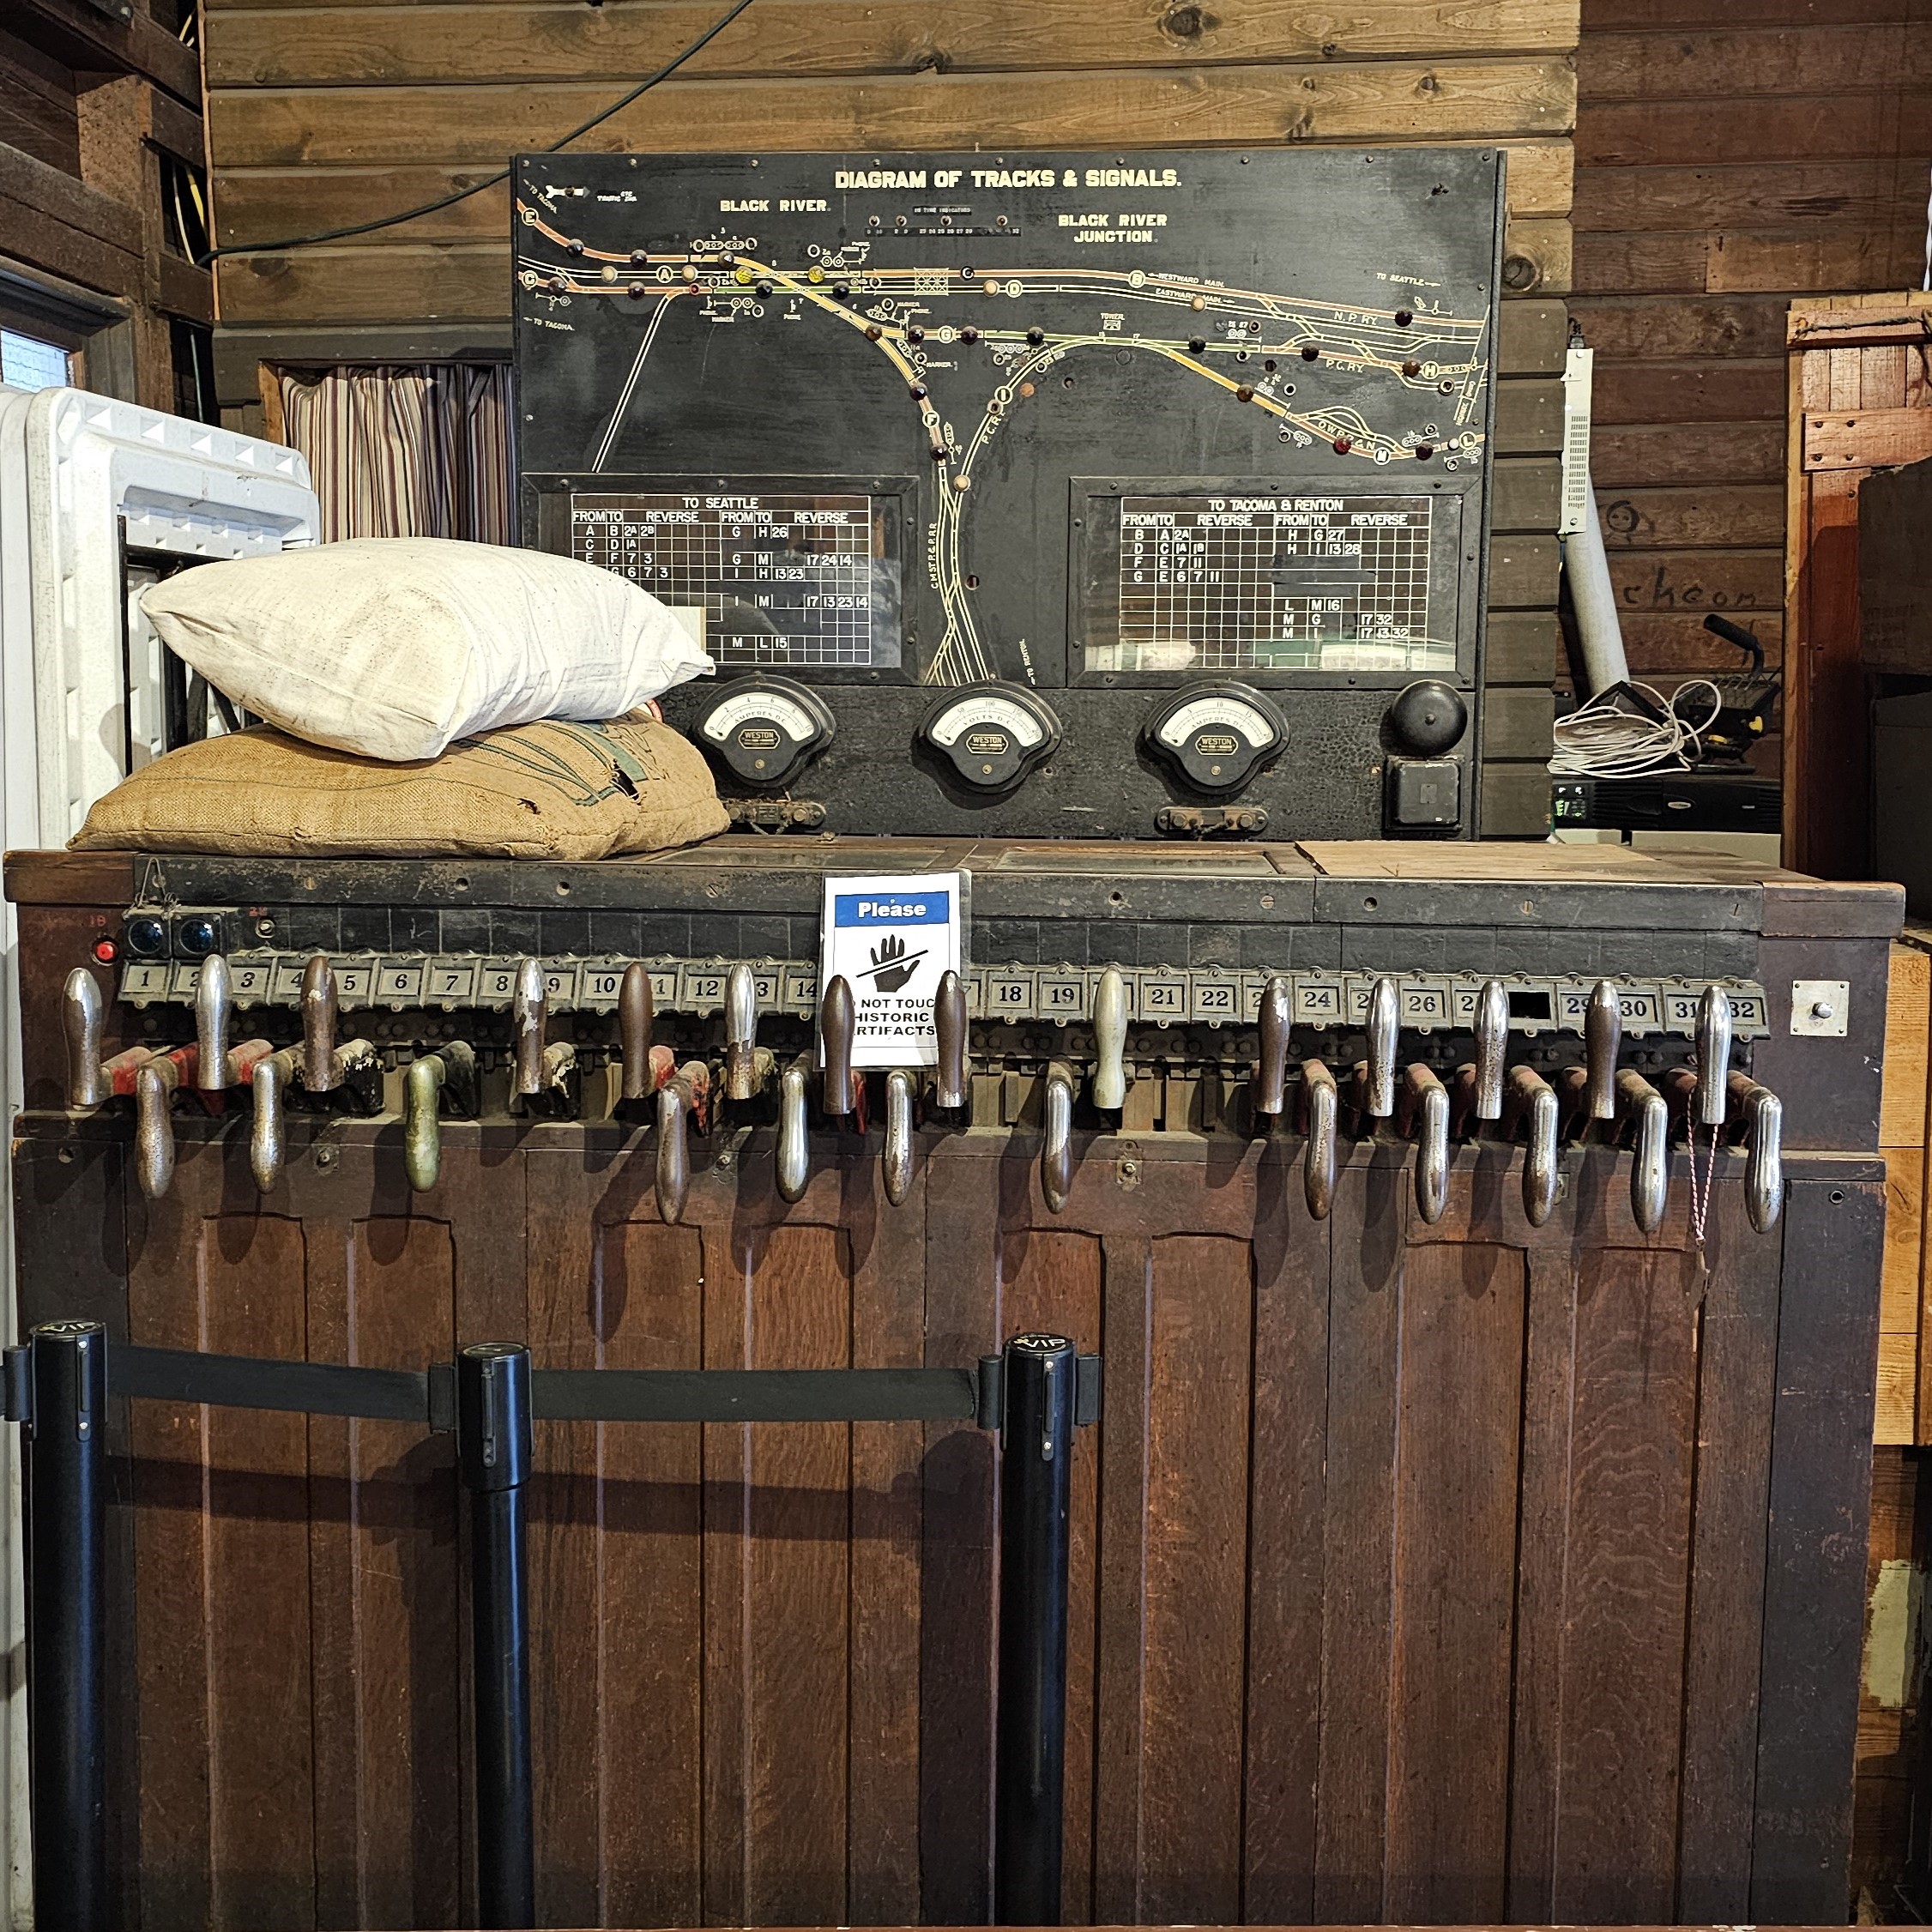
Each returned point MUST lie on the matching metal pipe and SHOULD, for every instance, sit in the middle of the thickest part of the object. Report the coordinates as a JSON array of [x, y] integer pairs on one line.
[[1385, 1037], [1602, 1036], [838, 1025], [153, 1124], [319, 1073], [1056, 1147], [529, 1014], [67, 1623], [83, 1017], [1029, 1744], [741, 1033], [635, 1018], [1713, 1056], [214, 1007], [493, 1451], [1270, 1079], [1764, 1168], [268, 1131], [1323, 1100], [1431, 1100], [896, 1160], [1110, 1040], [950, 1087], [1491, 1048], [1531, 1096], [1649, 1159], [794, 1144]]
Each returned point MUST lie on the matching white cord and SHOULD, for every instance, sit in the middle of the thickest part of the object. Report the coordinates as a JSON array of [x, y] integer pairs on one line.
[[1599, 740]]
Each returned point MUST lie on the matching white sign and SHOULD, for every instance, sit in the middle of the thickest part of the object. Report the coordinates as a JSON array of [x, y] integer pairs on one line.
[[891, 940]]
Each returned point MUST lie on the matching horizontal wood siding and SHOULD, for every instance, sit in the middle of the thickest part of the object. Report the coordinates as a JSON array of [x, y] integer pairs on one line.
[[1728, 159], [325, 116]]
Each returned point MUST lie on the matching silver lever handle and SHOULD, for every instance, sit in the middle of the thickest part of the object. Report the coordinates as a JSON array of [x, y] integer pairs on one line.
[[1270, 1086], [268, 1131], [949, 1023], [529, 1014], [1431, 1100], [741, 1033], [213, 1007], [676, 1100], [82, 1016], [1110, 1040], [1385, 1031], [1056, 1151], [1530, 1094], [1649, 1158], [319, 1004], [1764, 1169], [154, 1130], [897, 1156], [794, 1142], [1602, 1036], [1713, 1056], [1324, 1101], [838, 1026], [1492, 1046]]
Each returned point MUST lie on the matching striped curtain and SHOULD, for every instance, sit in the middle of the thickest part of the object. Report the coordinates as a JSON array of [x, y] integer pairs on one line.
[[406, 449]]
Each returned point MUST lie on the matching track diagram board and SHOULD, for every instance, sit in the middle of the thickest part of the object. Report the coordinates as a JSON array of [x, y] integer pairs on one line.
[[1066, 419]]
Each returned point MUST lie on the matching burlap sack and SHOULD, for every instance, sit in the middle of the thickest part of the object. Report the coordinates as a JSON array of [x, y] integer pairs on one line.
[[537, 791]]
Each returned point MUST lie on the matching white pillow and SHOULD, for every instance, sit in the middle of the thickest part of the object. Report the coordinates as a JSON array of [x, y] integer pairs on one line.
[[393, 646]]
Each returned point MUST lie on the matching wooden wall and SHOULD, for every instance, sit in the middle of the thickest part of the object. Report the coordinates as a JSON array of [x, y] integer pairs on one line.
[[1728, 159], [326, 116], [88, 105]]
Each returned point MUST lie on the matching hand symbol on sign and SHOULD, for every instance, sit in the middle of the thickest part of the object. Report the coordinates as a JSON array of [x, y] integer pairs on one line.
[[890, 966]]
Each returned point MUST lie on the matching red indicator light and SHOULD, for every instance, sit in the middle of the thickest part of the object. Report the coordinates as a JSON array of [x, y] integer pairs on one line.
[[105, 952]]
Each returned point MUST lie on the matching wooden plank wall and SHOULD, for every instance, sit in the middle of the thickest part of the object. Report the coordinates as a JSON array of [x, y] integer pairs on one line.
[[324, 116], [1728, 159]]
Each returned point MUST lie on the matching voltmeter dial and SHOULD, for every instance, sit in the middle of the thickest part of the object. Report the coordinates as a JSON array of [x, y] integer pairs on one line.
[[993, 735], [1216, 736], [764, 730]]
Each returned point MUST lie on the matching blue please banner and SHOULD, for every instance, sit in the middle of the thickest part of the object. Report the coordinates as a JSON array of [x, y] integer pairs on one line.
[[857, 909]]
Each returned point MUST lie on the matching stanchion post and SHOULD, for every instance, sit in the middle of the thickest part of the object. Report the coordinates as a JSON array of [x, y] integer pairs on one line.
[[66, 1636], [1029, 1755], [494, 1449]]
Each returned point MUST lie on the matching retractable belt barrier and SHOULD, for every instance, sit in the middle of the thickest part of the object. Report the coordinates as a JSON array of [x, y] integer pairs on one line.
[[57, 1386]]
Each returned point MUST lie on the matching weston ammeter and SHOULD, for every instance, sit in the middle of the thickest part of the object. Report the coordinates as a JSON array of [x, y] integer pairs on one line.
[[1215, 737], [765, 730], [991, 734]]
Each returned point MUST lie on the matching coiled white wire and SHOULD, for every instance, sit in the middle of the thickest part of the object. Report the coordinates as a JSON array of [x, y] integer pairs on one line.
[[1600, 741]]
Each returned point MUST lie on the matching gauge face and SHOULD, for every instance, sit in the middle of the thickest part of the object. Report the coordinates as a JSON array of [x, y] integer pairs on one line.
[[991, 735], [764, 729], [1214, 737]]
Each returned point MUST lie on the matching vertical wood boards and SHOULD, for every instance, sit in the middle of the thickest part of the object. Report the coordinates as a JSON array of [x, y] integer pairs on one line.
[[1472, 1573]]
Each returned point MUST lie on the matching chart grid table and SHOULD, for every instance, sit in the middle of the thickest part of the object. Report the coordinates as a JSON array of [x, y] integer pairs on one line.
[[787, 579], [1278, 583]]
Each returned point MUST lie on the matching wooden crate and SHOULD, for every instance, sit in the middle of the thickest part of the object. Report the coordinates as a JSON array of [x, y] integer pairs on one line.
[[1860, 372]]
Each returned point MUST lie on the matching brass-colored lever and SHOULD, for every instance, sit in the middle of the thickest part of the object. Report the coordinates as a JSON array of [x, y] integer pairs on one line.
[[1528, 1096], [795, 1146], [1639, 1101], [1429, 1101], [1763, 1114], [1491, 1048], [838, 1026], [1110, 1041], [950, 1088], [896, 1157], [1602, 1034], [319, 1016], [1385, 1033], [1270, 1080], [82, 1018], [1322, 1100], [448, 1074], [1056, 1147]]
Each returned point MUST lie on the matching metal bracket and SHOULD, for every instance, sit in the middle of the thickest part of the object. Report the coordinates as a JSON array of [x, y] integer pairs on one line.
[[1821, 1009], [16, 1390], [991, 1413]]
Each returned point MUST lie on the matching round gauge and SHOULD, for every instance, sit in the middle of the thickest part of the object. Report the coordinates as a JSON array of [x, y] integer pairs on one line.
[[993, 735], [762, 730], [1216, 736]]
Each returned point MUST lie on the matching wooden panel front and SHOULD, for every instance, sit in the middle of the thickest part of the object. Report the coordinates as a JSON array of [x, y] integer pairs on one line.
[[1434, 1574]]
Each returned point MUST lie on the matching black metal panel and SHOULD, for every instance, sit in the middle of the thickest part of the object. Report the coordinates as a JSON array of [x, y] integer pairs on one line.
[[1100, 426]]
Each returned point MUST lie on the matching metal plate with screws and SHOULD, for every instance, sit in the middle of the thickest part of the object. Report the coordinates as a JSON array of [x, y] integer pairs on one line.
[[1821, 1009]]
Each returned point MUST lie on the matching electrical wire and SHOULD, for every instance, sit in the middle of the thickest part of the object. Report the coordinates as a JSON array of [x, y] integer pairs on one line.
[[643, 86], [1601, 740]]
